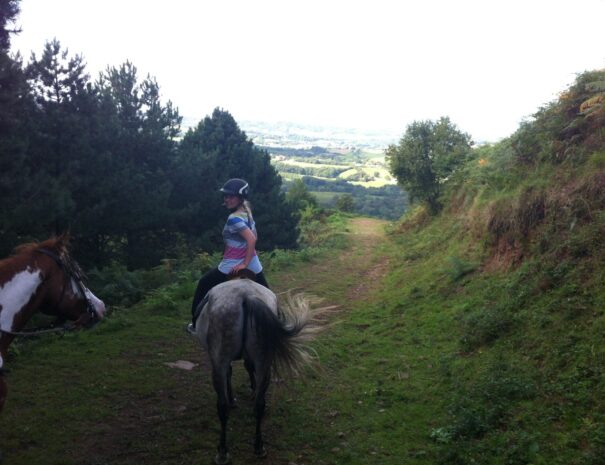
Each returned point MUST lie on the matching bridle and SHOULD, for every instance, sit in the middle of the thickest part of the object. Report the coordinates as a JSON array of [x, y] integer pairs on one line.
[[71, 271]]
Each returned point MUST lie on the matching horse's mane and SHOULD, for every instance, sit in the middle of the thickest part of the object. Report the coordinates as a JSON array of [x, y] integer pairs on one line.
[[56, 244]]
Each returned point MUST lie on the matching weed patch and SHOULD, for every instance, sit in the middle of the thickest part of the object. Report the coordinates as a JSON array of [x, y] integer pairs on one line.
[[485, 326]]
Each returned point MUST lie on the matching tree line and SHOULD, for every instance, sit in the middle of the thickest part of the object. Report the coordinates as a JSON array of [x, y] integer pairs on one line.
[[105, 159], [322, 171], [388, 201]]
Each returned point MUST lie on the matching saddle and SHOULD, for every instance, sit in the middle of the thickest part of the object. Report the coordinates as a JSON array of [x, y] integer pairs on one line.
[[243, 274]]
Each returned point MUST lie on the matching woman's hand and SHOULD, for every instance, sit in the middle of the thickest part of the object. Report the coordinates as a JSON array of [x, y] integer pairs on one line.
[[250, 243], [237, 268]]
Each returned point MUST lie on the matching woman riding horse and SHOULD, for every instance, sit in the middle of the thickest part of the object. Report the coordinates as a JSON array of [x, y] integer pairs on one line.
[[239, 235]]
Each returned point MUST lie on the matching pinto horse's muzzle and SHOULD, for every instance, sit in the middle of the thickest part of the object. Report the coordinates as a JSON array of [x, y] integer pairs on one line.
[[95, 311]]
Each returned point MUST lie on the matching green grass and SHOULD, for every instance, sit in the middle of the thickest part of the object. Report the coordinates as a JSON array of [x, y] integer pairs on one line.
[[326, 198], [304, 164]]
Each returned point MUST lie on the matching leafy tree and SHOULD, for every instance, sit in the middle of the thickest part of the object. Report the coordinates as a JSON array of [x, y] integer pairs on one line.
[[299, 196], [427, 154], [345, 203]]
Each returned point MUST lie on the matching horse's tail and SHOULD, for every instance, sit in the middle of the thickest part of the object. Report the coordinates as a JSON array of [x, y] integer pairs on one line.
[[285, 337]]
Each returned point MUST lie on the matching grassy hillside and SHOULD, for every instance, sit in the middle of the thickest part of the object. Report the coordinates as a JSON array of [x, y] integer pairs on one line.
[[505, 291]]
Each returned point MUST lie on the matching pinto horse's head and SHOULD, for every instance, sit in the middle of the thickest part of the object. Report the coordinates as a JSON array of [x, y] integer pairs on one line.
[[43, 277], [68, 298]]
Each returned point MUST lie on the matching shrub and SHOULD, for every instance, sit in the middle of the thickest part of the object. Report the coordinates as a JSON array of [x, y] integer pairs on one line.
[[486, 404], [459, 268], [485, 326]]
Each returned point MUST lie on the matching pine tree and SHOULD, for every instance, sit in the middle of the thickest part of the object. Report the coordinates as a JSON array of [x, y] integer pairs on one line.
[[17, 187], [9, 9], [139, 147], [58, 139]]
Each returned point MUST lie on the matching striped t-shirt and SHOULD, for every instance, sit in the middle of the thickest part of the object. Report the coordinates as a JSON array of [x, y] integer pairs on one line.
[[235, 244]]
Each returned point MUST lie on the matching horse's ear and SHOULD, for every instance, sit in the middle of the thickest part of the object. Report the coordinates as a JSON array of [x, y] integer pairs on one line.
[[63, 240]]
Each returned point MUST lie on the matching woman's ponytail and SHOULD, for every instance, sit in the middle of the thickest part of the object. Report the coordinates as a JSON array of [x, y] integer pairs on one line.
[[248, 209]]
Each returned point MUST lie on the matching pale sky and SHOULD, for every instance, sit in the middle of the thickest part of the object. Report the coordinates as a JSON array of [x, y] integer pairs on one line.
[[373, 64]]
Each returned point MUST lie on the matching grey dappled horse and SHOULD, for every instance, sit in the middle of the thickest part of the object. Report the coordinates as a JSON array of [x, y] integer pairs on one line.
[[240, 319]]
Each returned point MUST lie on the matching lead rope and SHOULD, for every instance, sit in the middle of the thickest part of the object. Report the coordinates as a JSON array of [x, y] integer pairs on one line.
[[43, 330]]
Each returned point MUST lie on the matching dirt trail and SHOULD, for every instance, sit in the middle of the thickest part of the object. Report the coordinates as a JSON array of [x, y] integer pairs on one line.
[[351, 274], [368, 236]]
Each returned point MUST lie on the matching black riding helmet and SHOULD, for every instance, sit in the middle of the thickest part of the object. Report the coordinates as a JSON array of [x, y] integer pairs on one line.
[[237, 187]]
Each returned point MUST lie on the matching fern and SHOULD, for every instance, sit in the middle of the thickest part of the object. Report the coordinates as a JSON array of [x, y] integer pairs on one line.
[[596, 86]]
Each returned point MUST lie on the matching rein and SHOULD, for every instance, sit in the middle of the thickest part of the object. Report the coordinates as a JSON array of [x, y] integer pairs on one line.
[[41, 330]]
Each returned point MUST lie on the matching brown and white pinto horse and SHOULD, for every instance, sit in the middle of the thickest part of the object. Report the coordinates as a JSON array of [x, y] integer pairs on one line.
[[42, 277]]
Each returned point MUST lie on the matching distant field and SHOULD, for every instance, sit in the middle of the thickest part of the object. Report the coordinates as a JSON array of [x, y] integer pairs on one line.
[[304, 164], [290, 176], [361, 174], [375, 183], [326, 198], [378, 176]]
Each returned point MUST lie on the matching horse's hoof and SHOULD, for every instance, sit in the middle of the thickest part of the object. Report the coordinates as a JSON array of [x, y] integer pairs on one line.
[[261, 453], [222, 459]]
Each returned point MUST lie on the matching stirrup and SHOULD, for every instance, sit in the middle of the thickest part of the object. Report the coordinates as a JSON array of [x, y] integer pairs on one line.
[[190, 328]]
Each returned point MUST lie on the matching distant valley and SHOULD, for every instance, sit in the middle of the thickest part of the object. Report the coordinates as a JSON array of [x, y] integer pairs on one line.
[[333, 162]]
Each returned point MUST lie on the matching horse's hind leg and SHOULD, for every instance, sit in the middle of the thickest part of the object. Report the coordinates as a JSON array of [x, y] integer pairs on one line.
[[263, 380], [3, 393], [220, 381], [230, 395], [3, 390], [250, 369]]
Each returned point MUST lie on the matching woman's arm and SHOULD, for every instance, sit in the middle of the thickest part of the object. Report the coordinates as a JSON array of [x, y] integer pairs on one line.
[[250, 238]]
